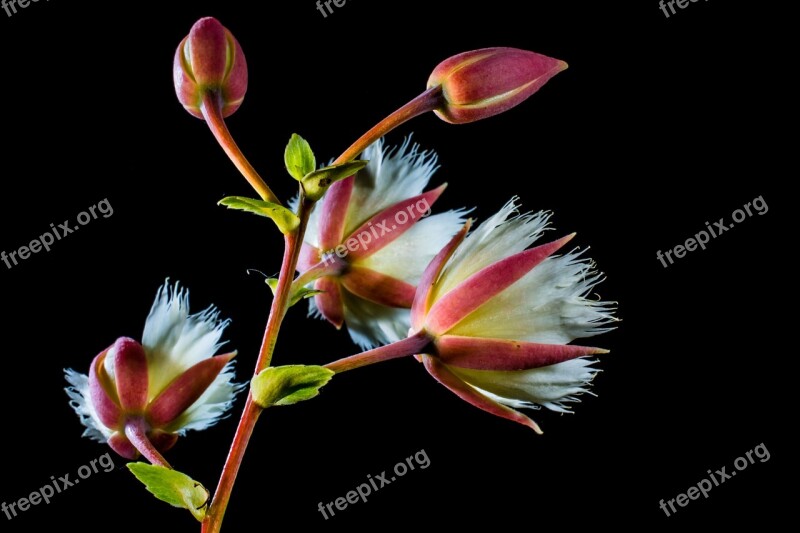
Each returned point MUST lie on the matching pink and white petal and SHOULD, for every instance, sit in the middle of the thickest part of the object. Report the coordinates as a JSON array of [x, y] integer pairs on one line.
[[333, 213], [549, 305], [551, 386], [463, 390], [185, 390], [176, 340], [425, 288], [212, 406], [329, 302], [479, 288], [378, 288], [130, 374], [385, 227], [412, 252], [81, 402], [500, 354], [103, 394], [504, 234], [391, 175]]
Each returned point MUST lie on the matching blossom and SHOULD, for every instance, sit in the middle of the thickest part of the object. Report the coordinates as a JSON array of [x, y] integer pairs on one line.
[[369, 240], [160, 388], [500, 317]]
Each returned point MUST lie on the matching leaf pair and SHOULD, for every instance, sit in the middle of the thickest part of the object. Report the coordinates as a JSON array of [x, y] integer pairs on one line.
[[302, 166]]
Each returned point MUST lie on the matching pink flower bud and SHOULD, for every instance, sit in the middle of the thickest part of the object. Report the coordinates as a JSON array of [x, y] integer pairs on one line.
[[210, 59], [486, 82]]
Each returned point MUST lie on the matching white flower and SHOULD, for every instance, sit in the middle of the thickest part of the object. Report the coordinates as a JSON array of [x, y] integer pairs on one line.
[[170, 383], [370, 239], [500, 317]]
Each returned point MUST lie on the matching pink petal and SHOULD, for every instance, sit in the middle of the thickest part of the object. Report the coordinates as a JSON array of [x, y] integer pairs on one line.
[[501, 354], [467, 393], [162, 440], [309, 257], [184, 390], [431, 274], [329, 302], [130, 374], [388, 225], [334, 213], [103, 394], [120, 444], [378, 288], [450, 309]]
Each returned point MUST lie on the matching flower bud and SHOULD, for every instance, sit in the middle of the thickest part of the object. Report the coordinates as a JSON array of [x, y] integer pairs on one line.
[[486, 82], [210, 59]]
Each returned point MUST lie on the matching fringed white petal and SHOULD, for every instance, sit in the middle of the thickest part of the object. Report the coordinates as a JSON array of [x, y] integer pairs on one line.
[[553, 386], [174, 340], [213, 405], [371, 324], [80, 401], [407, 257], [548, 305], [392, 175], [504, 234]]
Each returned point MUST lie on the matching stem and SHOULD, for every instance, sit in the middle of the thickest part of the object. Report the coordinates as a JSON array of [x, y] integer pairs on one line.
[[280, 304], [330, 265], [427, 101], [211, 110], [409, 346], [136, 431]]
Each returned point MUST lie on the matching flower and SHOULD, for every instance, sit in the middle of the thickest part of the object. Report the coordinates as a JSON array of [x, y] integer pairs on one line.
[[210, 59], [499, 317], [161, 388], [369, 240], [482, 83]]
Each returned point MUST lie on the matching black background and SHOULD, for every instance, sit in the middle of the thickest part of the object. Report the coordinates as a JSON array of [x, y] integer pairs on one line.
[[658, 126]]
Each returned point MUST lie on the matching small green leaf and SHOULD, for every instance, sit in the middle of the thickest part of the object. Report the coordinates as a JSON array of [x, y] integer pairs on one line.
[[283, 218], [299, 294], [173, 487], [299, 158], [316, 183], [285, 385]]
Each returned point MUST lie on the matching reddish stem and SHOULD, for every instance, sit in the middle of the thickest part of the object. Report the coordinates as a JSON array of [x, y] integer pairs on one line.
[[409, 346], [293, 243], [427, 101], [212, 112], [136, 431]]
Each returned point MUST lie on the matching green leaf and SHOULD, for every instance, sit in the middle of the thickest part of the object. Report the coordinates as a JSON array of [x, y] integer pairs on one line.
[[299, 158], [316, 183], [173, 487], [283, 218], [300, 294], [285, 385]]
